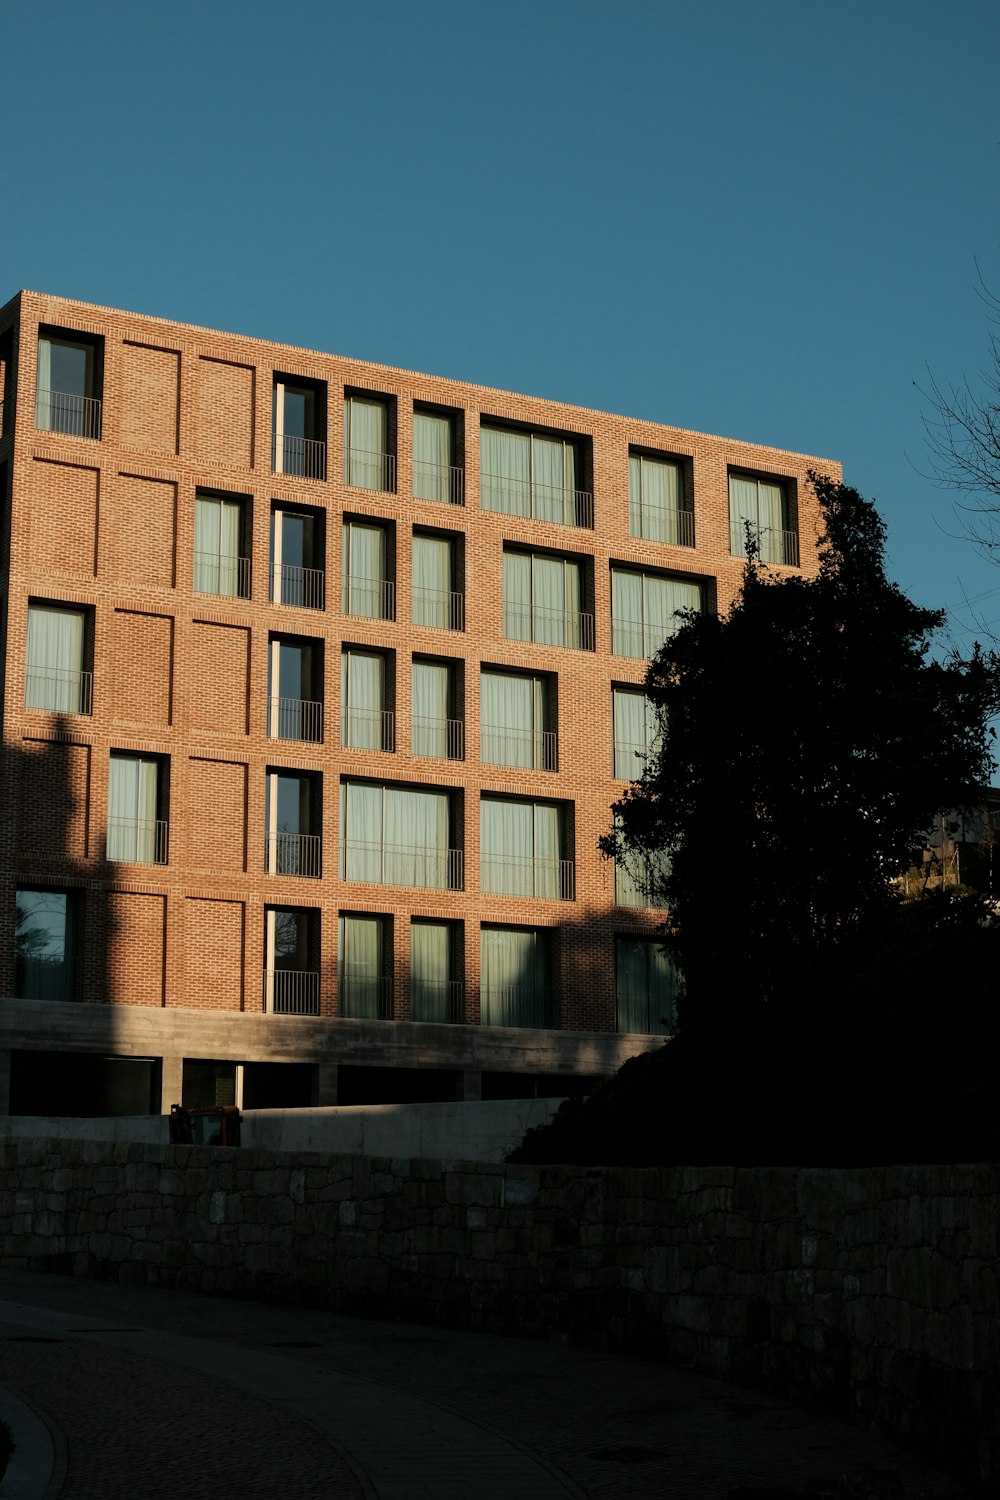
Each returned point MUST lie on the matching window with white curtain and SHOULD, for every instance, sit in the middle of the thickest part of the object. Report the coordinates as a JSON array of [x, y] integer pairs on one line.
[[542, 600], [436, 599], [644, 986], [533, 474], [436, 475], [515, 721], [437, 728], [366, 718], [523, 849], [656, 501], [68, 384], [762, 505], [515, 986], [644, 609], [436, 990], [368, 462], [44, 944], [54, 675], [635, 732], [137, 803], [364, 963], [221, 552], [397, 835], [367, 589]]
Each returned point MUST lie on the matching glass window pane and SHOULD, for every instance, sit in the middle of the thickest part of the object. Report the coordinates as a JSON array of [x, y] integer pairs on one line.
[[43, 946]]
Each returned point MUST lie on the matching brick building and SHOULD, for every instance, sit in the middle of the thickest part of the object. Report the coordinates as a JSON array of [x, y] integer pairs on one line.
[[321, 677]]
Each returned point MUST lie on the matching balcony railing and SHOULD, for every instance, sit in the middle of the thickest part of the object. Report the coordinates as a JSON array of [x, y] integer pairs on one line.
[[295, 719], [775, 546], [542, 502], [369, 598], [514, 1005], [443, 738], [442, 482], [216, 574], [298, 854], [304, 588], [636, 883], [137, 841], [439, 608], [305, 458], [527, 748], [631, 759], [638, 638], [368, 729], [73, 416], [400, 864], [364, 995], [58, 692], [291, 992], [370, 471], [661, 523], [440, 1000], [521, 875], [548, 627]]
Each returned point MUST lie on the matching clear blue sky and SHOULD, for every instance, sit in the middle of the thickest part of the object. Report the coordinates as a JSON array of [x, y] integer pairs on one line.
[[756, 219]]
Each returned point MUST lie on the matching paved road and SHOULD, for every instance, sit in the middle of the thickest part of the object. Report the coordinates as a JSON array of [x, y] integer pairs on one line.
[[147, 1395]]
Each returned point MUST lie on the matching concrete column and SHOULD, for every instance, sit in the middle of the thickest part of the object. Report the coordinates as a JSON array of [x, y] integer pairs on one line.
[[171, 1082], [326, 1084], [471, 1084]]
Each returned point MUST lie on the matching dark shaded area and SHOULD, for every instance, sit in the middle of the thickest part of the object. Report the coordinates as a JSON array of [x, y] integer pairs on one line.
[[361, 1085], [537, 1085], [80, 1085]]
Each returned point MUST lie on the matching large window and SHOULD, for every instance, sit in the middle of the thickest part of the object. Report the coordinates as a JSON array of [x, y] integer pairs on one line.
[[221, 546], [533, 474], [137, 809], [57, 646], [364, 959], [762, 506], [644, 986], [436, 988], [68, 386], [293, 843], [298, 575], [656, 501], [639, 879], [437, 600], [44, 945], [438, 729], [436, 474], [635, 731], [515, 977], [517, 721], [369, 463], [366, 718], [299, 428], [397, 835], [295, 689], [368, 589], [542, 601], [644, 609], [291, 960], [523, 848]]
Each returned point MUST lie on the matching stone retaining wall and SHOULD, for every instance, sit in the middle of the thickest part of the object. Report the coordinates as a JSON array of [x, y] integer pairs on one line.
[[873, 1291]]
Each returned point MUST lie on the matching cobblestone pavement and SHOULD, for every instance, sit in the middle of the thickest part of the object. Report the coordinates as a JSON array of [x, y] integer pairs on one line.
[[155, 1394]]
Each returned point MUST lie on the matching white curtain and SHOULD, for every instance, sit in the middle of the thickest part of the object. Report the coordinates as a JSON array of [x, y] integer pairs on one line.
[[514, 980], [506, 846], [394, 835], [643, 610], [43, 387], [364, 570], [505, 471], [430, 971], [431, 684], [512, 719], [634, 730], [54, 667], [644, 985], [550, 486], [362, 699], [432, 456], [217, 537], [626, 613], [361, 832], [361, 950], [547, 853], [432, 581], [742, 512], [132, 809], [654, 498], [517, 596], [365, 443]]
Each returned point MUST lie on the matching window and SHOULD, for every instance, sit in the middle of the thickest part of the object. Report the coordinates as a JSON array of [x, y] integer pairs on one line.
[[644, 609], [398, 835], [364, 948], [542, 596], [515, 977], [298, 575], [438, 729], [436, 991], [54, 677], [137, 806], [369, 463], [221, 546], [639, 879], [516, 713], [68, 384], [295, 689], [368, 590], [437, 602], [366, 720], [656, 508], [436, 474], [644, 986], [291, 960], [293, 818], [762, 505], [44, 945], [533, 474], [299, 427], [635, 731], [523, 849]]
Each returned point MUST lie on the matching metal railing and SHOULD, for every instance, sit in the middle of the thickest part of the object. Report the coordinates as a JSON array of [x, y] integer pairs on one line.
[[532, 750], [441, 738], [295, 719], [303, 458], [639, 638], [521, 875], [137, 841], [439, 608], [661, 523], [369, 598], [401, 864], [442, 482], [370, 471], [630, 759], [548, 627], [636, 882], [440, 1000], [291, 992], [514, 1005], [542, 502], [368, 729], [364, 995], [775, 546], [298, 854], [303, 588], [217, 574], [58, 692], [73, 416]]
